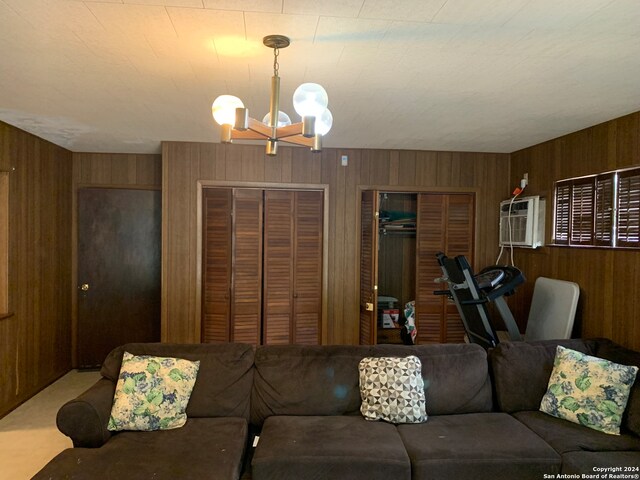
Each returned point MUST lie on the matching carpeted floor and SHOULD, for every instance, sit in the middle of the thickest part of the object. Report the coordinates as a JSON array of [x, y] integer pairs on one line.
[[28, 435]]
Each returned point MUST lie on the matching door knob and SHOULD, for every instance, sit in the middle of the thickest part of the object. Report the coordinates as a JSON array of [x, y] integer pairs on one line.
[[84, 287], [369, 307]]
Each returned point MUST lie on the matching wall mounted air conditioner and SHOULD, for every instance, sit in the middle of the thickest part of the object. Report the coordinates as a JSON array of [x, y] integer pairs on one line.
[[522, 222]]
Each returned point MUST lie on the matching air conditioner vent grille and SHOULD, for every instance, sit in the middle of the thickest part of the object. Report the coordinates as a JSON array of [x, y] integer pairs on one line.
[[522, 222]]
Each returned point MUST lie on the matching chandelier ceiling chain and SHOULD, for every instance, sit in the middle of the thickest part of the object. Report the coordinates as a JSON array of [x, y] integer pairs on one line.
[[309, 100], [276, 65]]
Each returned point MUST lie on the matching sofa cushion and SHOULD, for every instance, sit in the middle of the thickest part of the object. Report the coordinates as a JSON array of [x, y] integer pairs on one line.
[[223, 386], [600, 463], [152, 393], [517, 385], [489, 446], [323, 380], [305, 380], [205, 448], [392, 389], [566, 436], [329, 447], [588, 390], [456, 375], [616, 353]]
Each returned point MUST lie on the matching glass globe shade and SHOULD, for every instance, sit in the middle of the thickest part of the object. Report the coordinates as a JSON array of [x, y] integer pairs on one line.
[[310, 100], [324, 122], [224, 109], [283, 119]]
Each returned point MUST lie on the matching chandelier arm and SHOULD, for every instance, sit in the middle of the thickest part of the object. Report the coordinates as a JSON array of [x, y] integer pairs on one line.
[[259, 127], [298, 140], [246, 135], [289, 130]]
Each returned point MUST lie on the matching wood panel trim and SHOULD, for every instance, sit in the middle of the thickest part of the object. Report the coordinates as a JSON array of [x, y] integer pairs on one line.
[[164, 271], [124, 186], [4, 242], [263, 185], [199, 232], [418, 189], [325, 266]]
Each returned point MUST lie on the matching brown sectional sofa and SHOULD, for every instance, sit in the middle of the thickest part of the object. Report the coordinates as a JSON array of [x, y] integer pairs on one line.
[[303, 402]]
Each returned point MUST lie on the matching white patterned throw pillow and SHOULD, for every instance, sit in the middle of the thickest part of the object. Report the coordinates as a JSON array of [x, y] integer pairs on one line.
[[588, 390], [152, 393], [392, 389]]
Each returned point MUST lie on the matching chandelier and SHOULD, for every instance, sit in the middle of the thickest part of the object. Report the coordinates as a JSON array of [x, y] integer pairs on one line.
[[309, 101]]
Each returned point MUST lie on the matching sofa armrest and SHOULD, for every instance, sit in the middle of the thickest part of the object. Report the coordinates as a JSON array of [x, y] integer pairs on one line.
[[84, 419]]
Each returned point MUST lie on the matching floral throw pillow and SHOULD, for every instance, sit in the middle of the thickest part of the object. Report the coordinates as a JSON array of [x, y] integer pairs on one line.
[[392, 389], [588, 390], [152, 393]]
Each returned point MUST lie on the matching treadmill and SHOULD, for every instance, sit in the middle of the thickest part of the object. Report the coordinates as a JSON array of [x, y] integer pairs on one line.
[[472, 293]]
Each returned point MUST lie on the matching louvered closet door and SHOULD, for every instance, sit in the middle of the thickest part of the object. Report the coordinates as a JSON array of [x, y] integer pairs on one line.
[[216, 264], [368, 266], [445, 223], [246, 285], [307, 291], [293, 226], [278, 266]]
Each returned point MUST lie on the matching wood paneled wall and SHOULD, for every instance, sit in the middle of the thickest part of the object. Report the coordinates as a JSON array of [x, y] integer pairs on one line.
[[116, 170], [608, 279], [184, 164], [35, 340], [108, 170]]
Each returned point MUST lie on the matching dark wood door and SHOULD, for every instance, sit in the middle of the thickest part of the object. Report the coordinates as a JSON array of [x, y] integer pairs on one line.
[[444, 224], [119, 255], [368, 267]]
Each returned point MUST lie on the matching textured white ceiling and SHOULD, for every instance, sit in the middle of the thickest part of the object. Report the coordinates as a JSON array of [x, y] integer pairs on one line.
[[469, 75]]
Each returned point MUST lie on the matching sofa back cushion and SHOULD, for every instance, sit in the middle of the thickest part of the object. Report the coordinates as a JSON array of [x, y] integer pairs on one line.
[[521, 371], [456, 376], [324, 380], [616, 353], [223, 384]]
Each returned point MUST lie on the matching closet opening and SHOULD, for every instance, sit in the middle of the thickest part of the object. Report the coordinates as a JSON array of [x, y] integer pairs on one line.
[[400, 234], [396, 263]]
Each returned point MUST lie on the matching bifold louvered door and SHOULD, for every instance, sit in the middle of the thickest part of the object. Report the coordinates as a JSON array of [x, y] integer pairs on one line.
[[368, 267], [216, 264], [292, 267], [262, 266], [246, 266], [231, 265], [445, 224]]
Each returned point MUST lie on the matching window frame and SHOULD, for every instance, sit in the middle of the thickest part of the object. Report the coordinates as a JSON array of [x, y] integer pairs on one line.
[[589, 210], [631, 204]]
